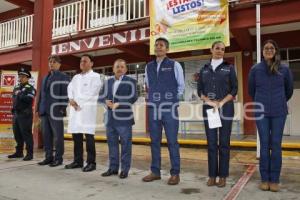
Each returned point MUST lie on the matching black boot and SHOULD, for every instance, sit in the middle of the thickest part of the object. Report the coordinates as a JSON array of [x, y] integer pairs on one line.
[[28, 157], [16, 155]]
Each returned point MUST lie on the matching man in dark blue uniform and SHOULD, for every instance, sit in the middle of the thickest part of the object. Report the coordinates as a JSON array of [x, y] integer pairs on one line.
[[23, 96]]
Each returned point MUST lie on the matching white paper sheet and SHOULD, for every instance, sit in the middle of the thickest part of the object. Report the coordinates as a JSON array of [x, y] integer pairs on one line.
[[214, 120]]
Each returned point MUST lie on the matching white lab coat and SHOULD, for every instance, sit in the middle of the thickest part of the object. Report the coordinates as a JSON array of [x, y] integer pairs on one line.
[[84, 89]]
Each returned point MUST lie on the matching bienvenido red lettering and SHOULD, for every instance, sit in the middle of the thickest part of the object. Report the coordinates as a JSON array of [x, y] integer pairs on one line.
[[102, 41]]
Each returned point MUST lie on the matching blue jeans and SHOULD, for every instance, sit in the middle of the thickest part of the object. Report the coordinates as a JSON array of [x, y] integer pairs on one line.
[[125, 134], [170, 124], [270, 130], [218, 142]]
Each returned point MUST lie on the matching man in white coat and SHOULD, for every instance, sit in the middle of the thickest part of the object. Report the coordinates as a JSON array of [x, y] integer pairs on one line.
[[83, 92]]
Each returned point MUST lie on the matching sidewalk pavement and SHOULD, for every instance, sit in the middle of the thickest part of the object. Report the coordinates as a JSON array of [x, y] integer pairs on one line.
[[27, 181]]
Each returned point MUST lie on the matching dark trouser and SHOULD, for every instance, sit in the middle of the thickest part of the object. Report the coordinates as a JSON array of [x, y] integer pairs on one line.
[[22, 128], [125, 134], [90, 148], [170, 124], [218, 142], [270, 130], [53, 131]]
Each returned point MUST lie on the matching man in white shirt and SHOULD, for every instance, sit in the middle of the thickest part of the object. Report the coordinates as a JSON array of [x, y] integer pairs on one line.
[[83, 92]]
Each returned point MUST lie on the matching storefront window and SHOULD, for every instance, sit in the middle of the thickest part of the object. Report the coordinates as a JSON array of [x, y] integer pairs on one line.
[[70, 73], [295, 68], [291, 57], [191, 70], [135, 71]]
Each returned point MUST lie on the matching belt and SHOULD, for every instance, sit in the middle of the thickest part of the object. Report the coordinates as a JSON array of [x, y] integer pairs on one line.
[[24, 112]]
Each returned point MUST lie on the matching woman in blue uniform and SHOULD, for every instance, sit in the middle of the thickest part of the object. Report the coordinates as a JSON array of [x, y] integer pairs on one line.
[[217, 87], [270, 86]]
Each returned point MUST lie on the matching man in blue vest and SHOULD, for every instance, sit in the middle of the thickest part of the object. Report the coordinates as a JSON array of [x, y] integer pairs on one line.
[[120, 93], [165, 82]]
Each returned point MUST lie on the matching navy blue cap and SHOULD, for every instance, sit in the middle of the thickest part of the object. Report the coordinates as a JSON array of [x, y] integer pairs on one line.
[[25, 72]]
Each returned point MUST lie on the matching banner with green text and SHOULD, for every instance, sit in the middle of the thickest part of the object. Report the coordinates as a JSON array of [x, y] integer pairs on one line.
[[189, 24]]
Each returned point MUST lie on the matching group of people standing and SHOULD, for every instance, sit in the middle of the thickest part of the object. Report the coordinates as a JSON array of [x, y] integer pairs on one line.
[[270, 86]]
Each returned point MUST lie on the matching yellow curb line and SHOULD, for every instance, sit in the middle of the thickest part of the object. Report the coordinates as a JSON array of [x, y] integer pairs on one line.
[[245, 144]]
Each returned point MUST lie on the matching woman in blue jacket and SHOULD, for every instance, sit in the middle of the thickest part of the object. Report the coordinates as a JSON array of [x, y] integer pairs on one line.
[[271, 86], [217, 87]]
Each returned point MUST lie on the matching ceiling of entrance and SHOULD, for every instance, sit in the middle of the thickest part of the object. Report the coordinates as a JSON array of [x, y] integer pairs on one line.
[[101, 52], [6, 6], [277, 28]]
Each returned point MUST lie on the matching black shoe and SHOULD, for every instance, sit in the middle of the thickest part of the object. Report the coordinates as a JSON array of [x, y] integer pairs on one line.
[[56, 163], [73, 165], [123, 175], [109, 172], [89, 167], [16, 155], [28, 157], [45, 162]]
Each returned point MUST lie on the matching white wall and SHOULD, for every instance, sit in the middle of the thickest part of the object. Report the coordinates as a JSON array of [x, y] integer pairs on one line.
[[292, 125]]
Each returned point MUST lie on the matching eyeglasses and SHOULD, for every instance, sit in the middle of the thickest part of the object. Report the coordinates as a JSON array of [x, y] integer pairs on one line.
[[269, 49]]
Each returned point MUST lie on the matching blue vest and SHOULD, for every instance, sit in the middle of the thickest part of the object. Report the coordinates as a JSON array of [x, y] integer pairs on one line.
[[163, 86]]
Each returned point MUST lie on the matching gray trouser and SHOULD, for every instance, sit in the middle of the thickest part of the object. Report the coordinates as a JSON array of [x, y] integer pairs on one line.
[[53, 132]]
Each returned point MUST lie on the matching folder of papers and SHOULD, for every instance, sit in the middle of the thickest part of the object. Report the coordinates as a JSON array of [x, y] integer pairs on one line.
[[213, 117]]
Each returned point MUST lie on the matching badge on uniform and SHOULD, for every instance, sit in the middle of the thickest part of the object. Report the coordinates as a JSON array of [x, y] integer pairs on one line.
[[226, 70], [166, 69]]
